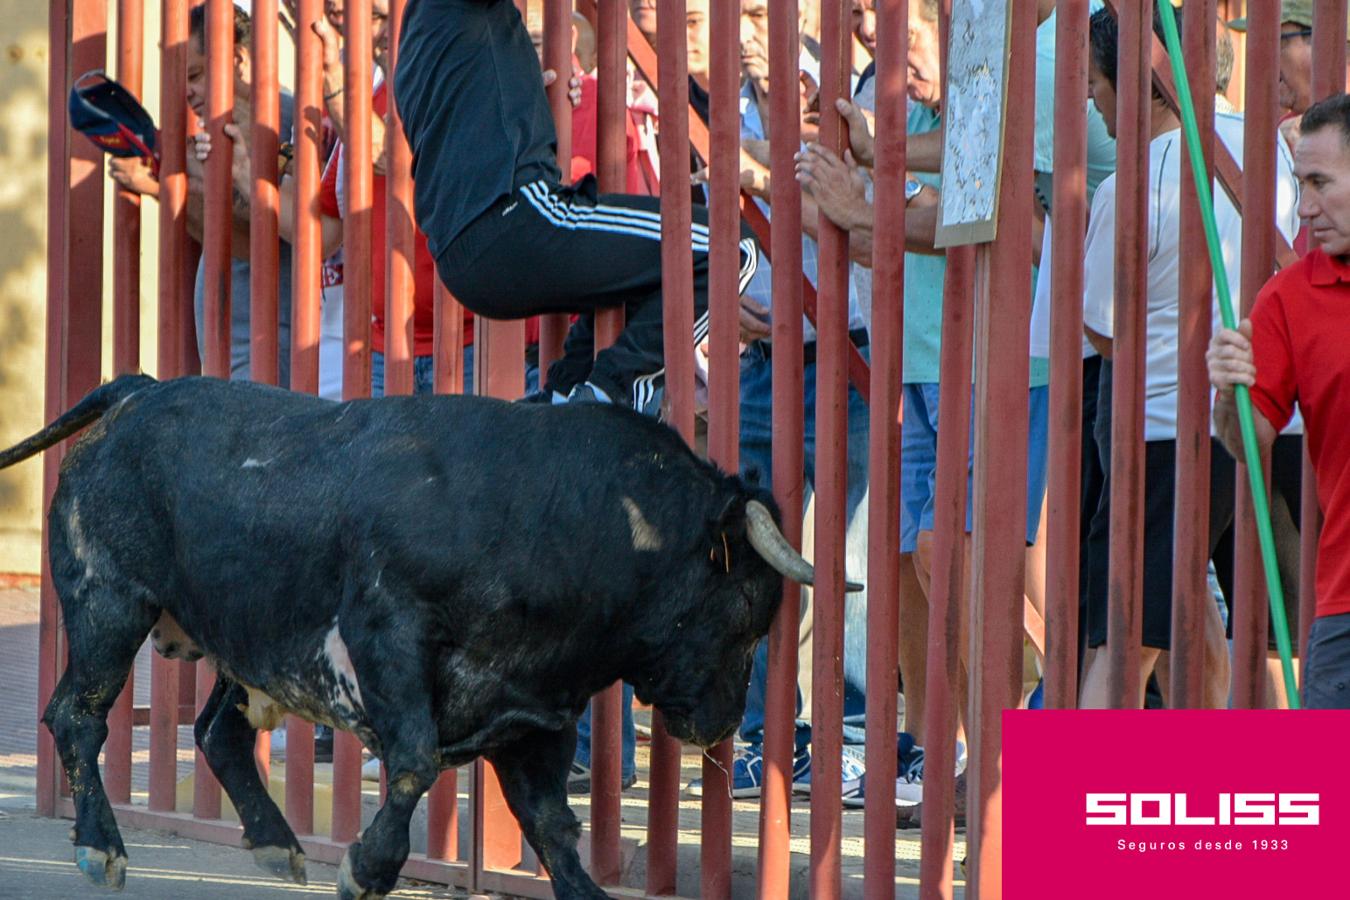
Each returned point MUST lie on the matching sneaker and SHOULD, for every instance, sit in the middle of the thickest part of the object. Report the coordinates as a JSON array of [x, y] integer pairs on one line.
[[908, 782], [588, 393], [911, 815], [370, 770], [851, 768], [539, 397], [1036, 699], [747, 772], [579, 779]]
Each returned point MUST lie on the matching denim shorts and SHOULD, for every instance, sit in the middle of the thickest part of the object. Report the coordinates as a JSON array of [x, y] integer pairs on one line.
[[1327, 681], [918, 462]]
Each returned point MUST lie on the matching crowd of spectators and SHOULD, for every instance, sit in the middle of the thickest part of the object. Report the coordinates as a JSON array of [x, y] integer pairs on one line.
[[841, 190]]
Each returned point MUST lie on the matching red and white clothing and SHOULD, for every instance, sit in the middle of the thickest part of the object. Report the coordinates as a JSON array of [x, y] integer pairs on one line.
[[1299, 323]]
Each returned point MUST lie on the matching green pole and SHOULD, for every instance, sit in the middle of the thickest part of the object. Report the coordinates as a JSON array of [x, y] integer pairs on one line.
[[1244, 400]]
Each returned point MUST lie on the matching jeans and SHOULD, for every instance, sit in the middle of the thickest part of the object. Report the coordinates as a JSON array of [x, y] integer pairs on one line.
[[757, 456], [628, 737], [423, 373]]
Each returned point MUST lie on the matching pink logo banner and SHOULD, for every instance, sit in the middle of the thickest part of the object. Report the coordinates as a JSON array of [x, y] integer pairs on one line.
[[1176, 803]]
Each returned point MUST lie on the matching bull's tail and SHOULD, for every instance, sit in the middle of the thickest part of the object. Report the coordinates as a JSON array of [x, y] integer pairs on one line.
[[95, 404]]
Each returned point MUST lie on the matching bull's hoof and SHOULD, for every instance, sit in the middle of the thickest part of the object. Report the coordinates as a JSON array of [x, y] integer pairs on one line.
[[284, 863], [102, 869], [347, 886]]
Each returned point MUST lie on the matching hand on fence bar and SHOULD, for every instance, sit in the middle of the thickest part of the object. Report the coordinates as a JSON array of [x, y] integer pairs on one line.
[[134, 174], [573, 86], [837, 186], [860, 128]]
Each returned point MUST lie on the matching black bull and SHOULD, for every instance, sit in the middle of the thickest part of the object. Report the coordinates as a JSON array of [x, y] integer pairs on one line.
[[445, 577]]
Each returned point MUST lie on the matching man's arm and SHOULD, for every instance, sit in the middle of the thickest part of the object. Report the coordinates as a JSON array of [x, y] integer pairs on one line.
[[1231, 362], [840, 192]]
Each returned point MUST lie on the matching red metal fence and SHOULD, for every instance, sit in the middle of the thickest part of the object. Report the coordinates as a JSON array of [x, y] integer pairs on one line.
[[985, 316]]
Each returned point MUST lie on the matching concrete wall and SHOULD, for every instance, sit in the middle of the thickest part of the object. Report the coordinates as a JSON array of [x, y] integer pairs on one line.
[[23, 249]]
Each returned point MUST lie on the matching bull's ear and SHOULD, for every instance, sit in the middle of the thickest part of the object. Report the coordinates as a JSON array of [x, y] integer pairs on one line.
[[726, 529], [729, 518]]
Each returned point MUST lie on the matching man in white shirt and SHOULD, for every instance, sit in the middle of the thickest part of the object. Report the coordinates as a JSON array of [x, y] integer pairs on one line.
[[1160, 403]]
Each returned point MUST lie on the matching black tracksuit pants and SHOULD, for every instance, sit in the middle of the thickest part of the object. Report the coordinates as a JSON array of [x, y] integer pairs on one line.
[[553, 249]]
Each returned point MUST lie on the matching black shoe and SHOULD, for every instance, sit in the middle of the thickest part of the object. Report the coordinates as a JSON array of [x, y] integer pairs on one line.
[[579, 780], [323, 744], [540, 397]]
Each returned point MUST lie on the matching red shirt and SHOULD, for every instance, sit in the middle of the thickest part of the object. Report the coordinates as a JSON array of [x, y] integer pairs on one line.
[[584, 124], [1300, 327], [424, 266]]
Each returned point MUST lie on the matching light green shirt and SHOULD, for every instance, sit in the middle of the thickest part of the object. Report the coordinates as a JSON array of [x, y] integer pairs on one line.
[[924, 276], [1101, 148]]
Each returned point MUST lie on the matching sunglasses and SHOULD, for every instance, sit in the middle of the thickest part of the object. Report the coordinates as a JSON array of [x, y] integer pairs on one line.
[[1302, 32]]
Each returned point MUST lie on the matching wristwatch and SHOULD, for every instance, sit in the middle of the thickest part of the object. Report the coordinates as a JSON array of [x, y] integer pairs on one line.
[[912, 188]]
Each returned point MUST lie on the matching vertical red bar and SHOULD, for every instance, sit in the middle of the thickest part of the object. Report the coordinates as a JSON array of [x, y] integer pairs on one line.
[[399, 234], [126, 353], [498, 357], [127, 207], [217, 227], [1002, 322], [173, 313], [205, 788], [677, 293], [84, 233], [1126, 555], [831, 481], [724, 353], [948, 609], [558, 57], [264, 251], [496, 836], [218, 189], [307, 240], [1250, 610], [610, 151], [58, 206], [306, 298], [948, 606], [443, 817], [357, 246], [883, 563], [448, 342], [1069, 221], [611, 175], [1190, 555], [785, 248]]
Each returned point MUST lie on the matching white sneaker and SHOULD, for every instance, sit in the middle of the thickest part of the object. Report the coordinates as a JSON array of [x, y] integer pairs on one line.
[[370, 770]]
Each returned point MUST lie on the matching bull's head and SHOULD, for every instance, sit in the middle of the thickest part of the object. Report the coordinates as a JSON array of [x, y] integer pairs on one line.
[[702, 667]]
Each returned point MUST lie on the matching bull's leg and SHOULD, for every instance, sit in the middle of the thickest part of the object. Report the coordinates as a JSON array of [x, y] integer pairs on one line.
[[104, 632], [226, 739], [392, 681], [533, 774]]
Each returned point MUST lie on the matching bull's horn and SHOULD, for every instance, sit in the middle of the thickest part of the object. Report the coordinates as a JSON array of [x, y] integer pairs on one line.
[[777, 552]]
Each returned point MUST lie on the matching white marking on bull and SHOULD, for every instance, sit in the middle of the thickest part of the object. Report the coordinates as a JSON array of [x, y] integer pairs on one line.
[[347, 693], [645, 535], [262, 712], [252, 463]]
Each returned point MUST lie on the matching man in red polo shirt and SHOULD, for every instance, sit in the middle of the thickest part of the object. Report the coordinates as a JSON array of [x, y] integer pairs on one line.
[[1293, 349]]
